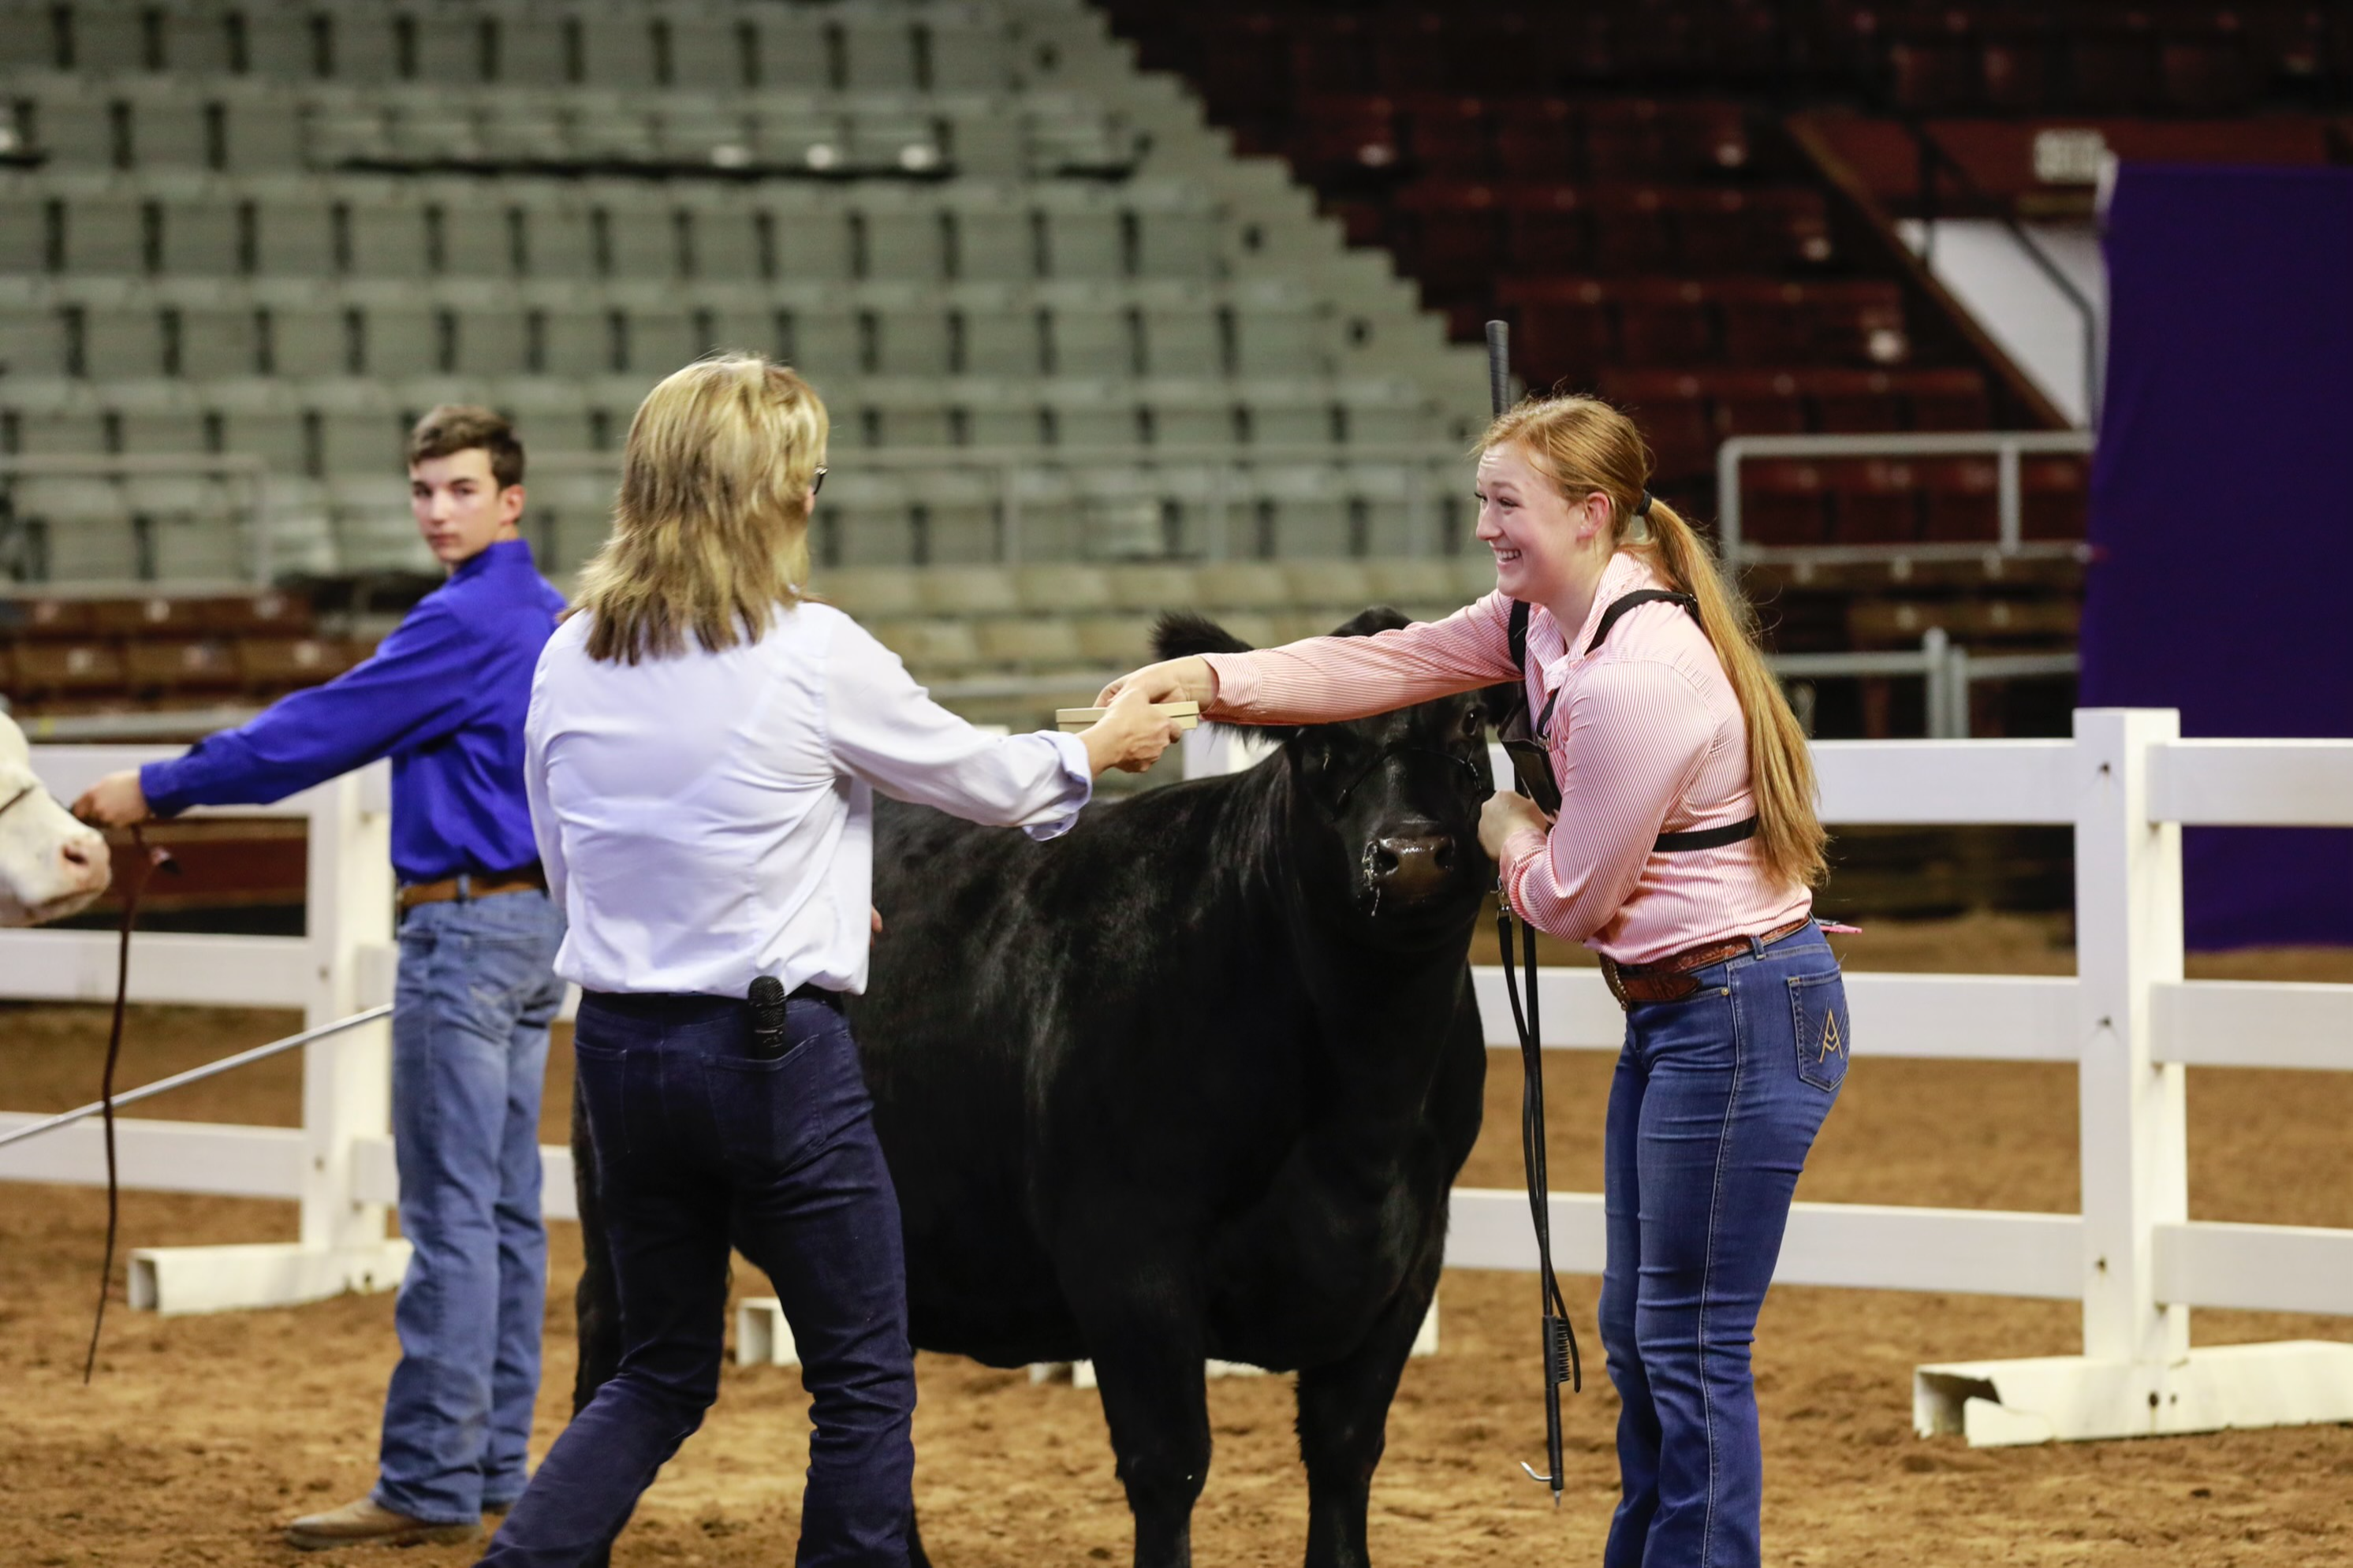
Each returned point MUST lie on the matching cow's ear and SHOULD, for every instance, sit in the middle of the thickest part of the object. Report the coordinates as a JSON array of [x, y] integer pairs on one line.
[[1181, 634]]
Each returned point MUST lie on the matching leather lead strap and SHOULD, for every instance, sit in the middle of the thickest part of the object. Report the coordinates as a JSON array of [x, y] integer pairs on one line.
[[149, 860]]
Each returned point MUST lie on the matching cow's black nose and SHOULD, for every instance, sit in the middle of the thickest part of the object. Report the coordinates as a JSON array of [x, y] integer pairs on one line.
[[1410, 866]]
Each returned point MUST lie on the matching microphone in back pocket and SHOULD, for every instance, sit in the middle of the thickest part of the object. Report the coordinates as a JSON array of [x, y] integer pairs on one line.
[[768, 1000]]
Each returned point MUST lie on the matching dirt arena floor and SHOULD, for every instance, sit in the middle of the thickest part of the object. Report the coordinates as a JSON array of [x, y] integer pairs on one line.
[[201, 1436]]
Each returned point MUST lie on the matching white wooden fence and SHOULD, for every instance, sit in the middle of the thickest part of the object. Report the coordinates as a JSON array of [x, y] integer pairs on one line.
[[337, 1165], [2128, 1020]]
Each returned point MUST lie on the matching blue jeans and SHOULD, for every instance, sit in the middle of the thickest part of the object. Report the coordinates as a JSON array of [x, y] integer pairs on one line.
[[475, 996], [700, 1144], [1716, 1099]]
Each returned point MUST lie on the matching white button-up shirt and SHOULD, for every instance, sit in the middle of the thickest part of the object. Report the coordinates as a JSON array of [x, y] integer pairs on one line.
[[708, 819]]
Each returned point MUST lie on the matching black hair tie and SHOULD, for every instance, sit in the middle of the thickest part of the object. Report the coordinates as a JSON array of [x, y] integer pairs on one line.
[[1643, 511]]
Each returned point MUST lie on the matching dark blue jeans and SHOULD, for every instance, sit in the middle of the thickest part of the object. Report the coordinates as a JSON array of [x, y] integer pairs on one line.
[[699, 1145], [1716, 1099], [470, 1009]]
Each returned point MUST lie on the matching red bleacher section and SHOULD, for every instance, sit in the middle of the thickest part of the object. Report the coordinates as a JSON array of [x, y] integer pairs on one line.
[[123, 655], [1673, 253], [1682, 254]]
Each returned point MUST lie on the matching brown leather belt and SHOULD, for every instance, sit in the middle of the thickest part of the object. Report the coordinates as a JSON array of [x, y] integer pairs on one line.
[[1669, 979], [467, 885]]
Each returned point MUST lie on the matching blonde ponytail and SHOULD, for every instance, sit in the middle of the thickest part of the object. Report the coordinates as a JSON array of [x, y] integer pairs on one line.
[[1585, 446], [1790, 836]]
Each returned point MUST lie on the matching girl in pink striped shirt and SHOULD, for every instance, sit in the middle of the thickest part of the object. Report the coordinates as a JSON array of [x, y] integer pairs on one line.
[[1683, 851]]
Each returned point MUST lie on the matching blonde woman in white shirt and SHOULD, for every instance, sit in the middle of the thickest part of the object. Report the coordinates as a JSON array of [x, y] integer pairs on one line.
[[703, 747]]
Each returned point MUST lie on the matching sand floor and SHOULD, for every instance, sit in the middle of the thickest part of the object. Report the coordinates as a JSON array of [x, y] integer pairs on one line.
[[201, 1436]]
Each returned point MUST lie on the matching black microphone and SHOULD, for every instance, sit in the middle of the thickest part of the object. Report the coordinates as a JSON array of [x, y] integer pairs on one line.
[[768, 1000]]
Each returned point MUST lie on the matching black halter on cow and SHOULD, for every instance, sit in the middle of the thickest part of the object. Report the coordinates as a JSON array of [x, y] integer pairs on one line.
[[1190, 1081]]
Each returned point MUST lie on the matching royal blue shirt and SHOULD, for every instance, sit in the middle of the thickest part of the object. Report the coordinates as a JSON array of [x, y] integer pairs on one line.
[[444, 697]]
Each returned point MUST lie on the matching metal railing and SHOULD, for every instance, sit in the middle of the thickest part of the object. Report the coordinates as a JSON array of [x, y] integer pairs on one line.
[[1947, 669], [2006, 447], [258, 518], [1217, 478]]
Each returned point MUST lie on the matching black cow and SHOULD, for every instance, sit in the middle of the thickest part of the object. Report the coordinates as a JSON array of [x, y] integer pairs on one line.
[[1192, 1080]]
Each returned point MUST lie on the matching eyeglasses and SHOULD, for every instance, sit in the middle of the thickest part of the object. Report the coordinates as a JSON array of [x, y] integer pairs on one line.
[[816, 480]]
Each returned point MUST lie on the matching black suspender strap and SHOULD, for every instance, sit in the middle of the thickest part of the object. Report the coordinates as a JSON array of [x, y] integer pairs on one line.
[[1704, 837], [1639, 596], [1666, 843]]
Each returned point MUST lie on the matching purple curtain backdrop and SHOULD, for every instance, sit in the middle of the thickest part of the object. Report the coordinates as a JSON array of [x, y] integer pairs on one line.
[[2221, 505]]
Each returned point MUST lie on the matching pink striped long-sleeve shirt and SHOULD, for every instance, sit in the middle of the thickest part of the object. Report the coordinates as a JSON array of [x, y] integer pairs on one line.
[[1646, 737]]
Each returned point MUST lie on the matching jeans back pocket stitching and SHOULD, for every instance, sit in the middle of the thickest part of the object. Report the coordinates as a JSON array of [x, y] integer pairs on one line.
[[1816, 1054]]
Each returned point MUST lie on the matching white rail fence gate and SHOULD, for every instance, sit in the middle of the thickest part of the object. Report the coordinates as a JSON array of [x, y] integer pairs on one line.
[[2127, 1020]]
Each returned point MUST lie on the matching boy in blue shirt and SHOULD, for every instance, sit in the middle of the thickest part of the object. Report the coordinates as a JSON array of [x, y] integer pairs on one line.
[[444, 697]]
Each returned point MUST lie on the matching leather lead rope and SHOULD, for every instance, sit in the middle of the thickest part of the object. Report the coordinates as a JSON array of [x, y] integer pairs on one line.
[[150, 857], [1561, 1361]]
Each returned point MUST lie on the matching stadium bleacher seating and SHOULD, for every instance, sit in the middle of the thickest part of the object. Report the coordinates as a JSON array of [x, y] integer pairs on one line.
[[281, 229], [1084, 364]]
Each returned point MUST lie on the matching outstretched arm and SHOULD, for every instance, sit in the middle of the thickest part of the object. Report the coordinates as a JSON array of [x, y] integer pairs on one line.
[[886, 730], [412, 690], [1322, 679]]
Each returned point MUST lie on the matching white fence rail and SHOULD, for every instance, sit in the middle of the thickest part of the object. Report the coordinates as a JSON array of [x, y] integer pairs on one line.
[[343, 963], [2127, 1020]]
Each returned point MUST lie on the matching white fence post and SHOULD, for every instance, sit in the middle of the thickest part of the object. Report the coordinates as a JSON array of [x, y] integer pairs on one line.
[[2137, 1375], [2136, 1162], [346, 1084]]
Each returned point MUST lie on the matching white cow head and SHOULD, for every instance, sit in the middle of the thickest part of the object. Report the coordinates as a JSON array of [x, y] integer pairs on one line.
[[50, 864]]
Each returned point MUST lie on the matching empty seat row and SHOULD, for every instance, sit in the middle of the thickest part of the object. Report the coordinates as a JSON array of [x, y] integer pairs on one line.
[[2183, 59], [1322, 586], [478, 227], [1347, 141], [1086, 646], [1898, 500], [77, 123], [64, 529], [1686, 415], [1278, 512], [1566, 326], [948, 620], [1458, 237], [346, 426], [85, 528], [1250, 61], [1897, 622], [175, 616], [204, 330], [531, 43], [1254, 64], [255, 667]]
